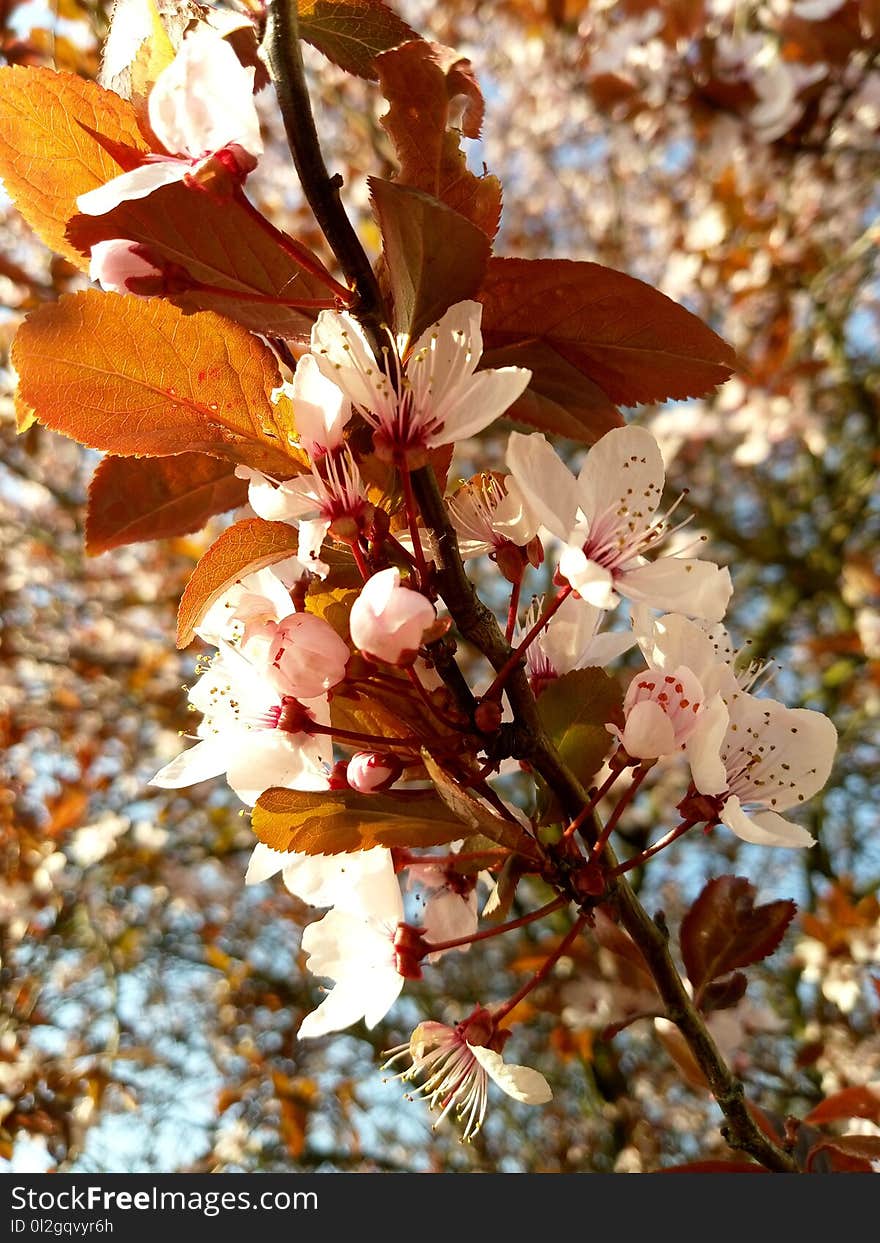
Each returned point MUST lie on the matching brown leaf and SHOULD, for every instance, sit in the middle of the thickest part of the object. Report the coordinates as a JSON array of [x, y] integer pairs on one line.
[[421, 81], [476, 815], [244, 548], [133, 499], [221, 243], [848, 1153], [855, 1102], [47, 158], [631, 340], [434, 256], [724, 929], [342, 821], [351, 33], [560, 399], [136, 376]]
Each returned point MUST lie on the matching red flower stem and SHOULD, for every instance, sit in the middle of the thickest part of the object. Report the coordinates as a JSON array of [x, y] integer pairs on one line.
[[512, 610], [412, 515], [243, 295], [432, 947], [495, 690], [627, 797], [595, 799], [360, 560], [667, 840], [542, 972], [300, 254]]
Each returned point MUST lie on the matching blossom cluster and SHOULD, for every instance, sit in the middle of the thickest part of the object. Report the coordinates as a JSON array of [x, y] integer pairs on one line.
[[356, 616]]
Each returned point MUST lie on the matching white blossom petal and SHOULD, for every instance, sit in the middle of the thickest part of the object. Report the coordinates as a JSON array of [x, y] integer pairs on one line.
[[764, 828], [519, 1082], [549, 487], [679, 585], [135, 184]]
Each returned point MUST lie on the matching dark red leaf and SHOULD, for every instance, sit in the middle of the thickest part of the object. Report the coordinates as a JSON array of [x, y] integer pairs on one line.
[[632, 341], [134, 499], [724, 929], [855, 1102]]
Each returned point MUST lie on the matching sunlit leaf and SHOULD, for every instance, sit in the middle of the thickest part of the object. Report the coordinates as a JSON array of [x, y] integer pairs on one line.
[[47, 158], [244, 548], [137, 376], [134, 499], [341, 821], [351, 33], [420, 81]]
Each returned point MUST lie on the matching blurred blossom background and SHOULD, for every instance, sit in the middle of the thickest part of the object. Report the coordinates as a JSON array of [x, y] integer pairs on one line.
[[726, 152]]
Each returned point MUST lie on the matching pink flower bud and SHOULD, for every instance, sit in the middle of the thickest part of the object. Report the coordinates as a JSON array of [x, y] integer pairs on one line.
[[368, 772], [306, 656], [117, 262], [388, 621]]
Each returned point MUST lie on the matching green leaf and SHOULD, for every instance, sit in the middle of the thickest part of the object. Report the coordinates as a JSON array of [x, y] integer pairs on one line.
[[434, 256], [341, 821], [575, 710]]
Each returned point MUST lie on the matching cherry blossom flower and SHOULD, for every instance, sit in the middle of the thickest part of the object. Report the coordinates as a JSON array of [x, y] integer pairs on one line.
[[459, 1069], [489, 513], [254, 601], [775, 758], [332, 494], [321, 410], [251, 733], [436, 397], [677, 702], [116, 262], [354, 946], [606, 519], [569, 641], [201, 109], [388, 621], [450, 911]]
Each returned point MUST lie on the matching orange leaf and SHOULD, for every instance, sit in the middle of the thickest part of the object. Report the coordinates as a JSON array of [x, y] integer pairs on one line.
[[631, 340], [134, 499], [220, 243], [420, 81], [46, 158], [341, 821], [136, 376], [244, 548]]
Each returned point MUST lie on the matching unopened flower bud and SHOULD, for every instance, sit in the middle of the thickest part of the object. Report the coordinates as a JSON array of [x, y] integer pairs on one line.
[[388, 621], [368, 772], [307, 656]]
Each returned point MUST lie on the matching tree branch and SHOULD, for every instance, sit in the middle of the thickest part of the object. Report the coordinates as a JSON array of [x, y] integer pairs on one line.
[[476, 623], [283, 58]]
